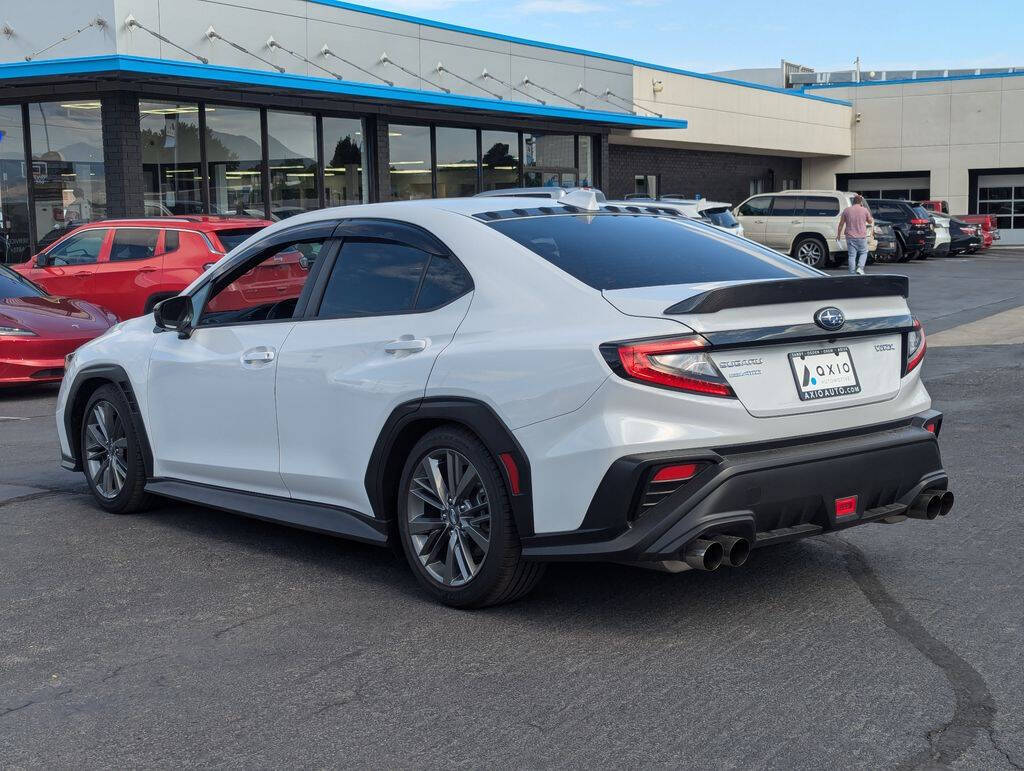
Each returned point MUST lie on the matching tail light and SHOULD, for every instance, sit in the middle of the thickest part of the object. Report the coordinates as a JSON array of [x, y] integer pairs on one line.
[[918, 221], [916, 346], [663, 481], [680, 363]]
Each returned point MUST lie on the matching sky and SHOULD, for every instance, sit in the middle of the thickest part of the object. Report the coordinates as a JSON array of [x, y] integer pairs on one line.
[[730, 34]]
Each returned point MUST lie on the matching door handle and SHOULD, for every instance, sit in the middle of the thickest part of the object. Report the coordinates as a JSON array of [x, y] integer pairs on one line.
[[795, 222], [406, 344], [758, 222], [148, 269], [258, 356]]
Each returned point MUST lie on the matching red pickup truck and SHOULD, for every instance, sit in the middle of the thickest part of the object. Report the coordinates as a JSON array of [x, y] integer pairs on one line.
[[989, 227]]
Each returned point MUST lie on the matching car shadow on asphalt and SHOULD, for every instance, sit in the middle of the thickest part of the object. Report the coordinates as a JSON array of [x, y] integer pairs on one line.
[[609, 594]]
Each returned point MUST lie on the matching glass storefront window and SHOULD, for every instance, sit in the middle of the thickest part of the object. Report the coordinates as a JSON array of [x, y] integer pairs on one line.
[[456, 162], [172, 174], [546, 157], [409, 162], [345, 174], [291, 142], [67, 166], [14, 222], [586, 161], [500, 159], [234, 155]]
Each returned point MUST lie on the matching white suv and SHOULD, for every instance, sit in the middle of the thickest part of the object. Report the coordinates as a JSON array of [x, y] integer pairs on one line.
[[800, 223], [495, 383]]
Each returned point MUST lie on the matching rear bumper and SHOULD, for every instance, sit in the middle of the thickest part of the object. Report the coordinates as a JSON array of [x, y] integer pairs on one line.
[[765, 493]]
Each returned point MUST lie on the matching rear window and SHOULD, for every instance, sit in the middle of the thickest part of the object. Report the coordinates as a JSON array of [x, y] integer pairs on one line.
[[229, 239], [921, 213], [721, 217], [620, 251]]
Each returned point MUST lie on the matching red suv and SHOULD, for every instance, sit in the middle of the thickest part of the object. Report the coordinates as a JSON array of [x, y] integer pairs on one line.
[[128, 266]]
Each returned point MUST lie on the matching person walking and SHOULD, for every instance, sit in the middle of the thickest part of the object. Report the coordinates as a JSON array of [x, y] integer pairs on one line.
[[855, 220]]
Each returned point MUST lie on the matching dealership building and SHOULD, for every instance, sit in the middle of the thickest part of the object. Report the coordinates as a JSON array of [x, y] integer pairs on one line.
[[114, 108]]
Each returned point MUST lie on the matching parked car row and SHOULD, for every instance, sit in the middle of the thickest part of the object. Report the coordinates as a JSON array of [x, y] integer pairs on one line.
[[120, 269], [804, 224]]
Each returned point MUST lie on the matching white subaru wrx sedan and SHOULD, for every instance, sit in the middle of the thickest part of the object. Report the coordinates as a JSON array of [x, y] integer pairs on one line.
[[497, 383]]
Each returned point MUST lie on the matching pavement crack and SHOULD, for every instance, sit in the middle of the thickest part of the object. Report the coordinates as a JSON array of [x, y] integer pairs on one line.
[[974, 709], [35, 496], [221, 632]]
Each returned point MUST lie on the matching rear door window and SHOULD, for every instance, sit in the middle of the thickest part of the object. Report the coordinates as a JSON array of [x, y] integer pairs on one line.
[[133, 244], [821, 206], [372, 278], [619, 251], [788, 206]]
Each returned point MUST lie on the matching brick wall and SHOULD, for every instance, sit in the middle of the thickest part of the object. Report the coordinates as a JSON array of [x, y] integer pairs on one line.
[[717, 176], [122, 155]]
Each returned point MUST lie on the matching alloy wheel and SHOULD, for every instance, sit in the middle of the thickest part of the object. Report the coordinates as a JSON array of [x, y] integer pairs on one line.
[[810, 253], [106, 449], [449, 517]]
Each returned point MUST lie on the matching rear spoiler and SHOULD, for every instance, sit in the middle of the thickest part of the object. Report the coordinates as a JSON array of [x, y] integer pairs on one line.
[[791, 290]]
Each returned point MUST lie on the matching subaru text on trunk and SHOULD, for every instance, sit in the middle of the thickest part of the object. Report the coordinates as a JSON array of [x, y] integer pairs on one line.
[[496, 383]]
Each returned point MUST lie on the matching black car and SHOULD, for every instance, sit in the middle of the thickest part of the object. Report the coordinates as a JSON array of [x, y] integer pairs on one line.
[[885, 236], [915, 231], [963, 237]]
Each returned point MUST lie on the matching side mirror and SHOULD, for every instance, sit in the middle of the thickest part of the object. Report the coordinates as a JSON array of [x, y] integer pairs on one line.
[[174, 314], [42, 261]]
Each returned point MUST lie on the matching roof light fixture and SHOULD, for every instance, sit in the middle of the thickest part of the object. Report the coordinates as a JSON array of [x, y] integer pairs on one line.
[[326, 51], [213, 34]]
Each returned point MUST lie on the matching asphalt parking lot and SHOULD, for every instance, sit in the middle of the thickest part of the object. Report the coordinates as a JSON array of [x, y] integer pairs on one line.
[[188, 637]]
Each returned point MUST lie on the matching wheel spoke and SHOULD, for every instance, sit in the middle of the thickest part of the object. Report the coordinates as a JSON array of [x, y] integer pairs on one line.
[[479, 538], [464, 482], [434, 475], [466, 562], [452, 471], [93, 435], [432, 546], [449, 561], [423, 525], [428, 498]]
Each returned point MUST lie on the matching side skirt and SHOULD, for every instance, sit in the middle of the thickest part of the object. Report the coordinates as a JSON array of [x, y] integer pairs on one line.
[[308, 516]]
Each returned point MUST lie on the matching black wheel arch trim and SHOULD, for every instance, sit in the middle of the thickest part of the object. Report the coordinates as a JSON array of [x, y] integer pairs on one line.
[[478, 417], [115, 375]]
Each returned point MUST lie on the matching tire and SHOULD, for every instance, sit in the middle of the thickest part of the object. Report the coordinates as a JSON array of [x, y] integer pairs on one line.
[[921, 255], [812, 251], [108, 431], [902, 255], [437, 549]]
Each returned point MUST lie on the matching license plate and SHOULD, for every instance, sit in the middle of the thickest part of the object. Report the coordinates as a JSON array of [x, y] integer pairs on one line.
[[824, 373]]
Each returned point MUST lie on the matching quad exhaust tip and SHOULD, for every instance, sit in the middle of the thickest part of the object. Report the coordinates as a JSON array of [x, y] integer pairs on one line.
[[931, 504], [704, 555], [734, 550], [711, 553]]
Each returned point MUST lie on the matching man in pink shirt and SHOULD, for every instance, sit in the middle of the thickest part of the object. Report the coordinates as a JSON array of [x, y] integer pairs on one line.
[[855, 221]]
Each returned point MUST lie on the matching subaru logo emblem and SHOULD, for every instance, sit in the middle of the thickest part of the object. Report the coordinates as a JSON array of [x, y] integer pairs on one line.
[[830, 319]]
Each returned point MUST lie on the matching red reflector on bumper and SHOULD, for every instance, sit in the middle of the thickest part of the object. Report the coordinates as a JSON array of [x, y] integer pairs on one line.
[[846, 506], [512, 470], [678, 473]]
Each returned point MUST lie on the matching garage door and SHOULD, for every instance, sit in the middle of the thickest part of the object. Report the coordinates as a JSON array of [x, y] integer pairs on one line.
[[1003, 195]]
